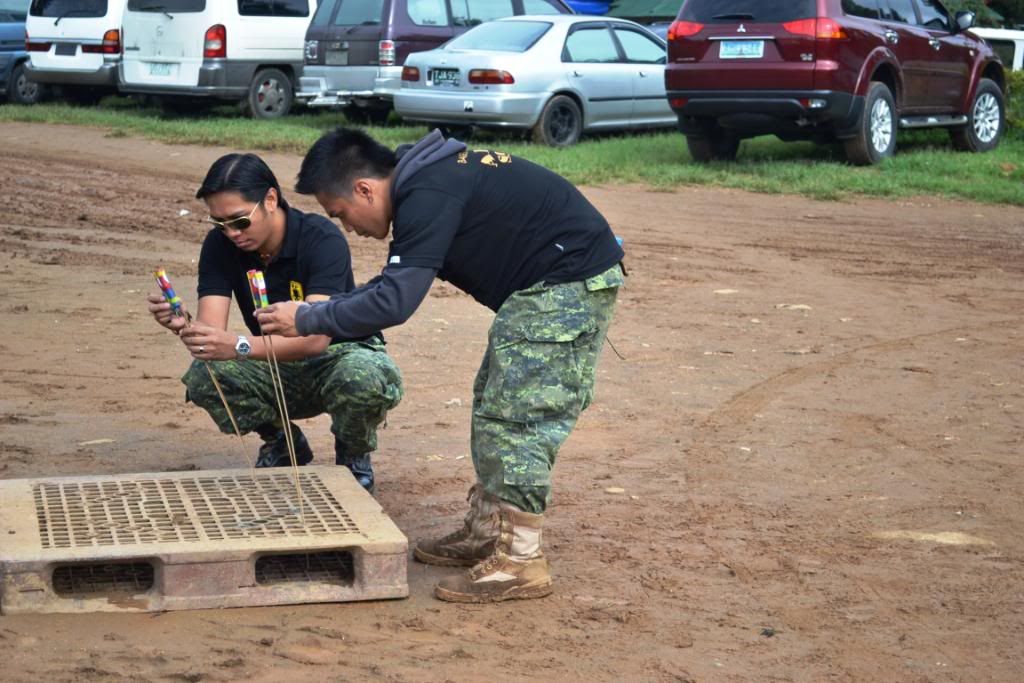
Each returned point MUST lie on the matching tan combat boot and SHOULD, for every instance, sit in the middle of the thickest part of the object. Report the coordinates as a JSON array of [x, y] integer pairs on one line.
[[471, 544], [516, 570]]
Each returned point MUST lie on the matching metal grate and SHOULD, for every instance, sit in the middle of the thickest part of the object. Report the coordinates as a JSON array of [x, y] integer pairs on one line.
[[84, 580], [129, 512], [332, 566]]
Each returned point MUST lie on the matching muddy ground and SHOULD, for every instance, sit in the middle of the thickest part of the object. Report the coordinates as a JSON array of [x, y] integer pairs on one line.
[[817, 430]]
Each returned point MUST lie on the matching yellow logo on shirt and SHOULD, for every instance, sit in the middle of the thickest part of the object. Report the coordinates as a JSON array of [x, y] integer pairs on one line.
[[296, 291]]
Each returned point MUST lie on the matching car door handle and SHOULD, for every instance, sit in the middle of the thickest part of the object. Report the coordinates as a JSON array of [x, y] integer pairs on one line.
[[577, 74], [934, 43], [892, 37], [643, 74]]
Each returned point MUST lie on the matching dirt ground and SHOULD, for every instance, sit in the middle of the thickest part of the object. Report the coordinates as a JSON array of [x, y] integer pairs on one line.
[[816, 427]]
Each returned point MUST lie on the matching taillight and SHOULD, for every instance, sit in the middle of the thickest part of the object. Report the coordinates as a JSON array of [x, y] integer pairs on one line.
[[312, 51], [684, 29], [215, 43], [822, 28], [410, 73], [111, 44], [678, 102], [35, 46], [386, 53], [490, 77]]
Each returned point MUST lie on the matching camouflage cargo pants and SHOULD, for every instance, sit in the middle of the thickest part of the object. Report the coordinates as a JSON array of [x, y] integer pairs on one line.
[[536, 377], [356, 383]]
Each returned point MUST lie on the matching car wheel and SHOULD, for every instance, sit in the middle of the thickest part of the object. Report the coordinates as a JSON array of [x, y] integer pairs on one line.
[[985, 121], [270, 94], [22, 89], [717, 145], [876, 131], [560, 124]]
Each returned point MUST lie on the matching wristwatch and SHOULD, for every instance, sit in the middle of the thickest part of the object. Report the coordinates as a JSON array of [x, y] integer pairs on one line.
[[242, 348]]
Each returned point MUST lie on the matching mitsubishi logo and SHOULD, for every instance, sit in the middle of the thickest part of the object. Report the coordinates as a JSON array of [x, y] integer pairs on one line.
[[741, 29]]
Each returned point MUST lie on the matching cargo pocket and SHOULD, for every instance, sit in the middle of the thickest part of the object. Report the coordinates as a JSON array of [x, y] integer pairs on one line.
[[534, 371]]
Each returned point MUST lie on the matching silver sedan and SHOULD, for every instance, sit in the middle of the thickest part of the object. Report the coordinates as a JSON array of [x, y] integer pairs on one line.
[[557, 76]]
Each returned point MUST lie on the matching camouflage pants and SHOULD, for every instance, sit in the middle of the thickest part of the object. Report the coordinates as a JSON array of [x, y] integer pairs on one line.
[[356, 383], [536, 377]]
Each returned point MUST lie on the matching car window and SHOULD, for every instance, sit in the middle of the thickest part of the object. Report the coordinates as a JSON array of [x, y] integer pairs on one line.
[[638, 47], [933, 15], [902, 11], [323, 13], [473, 12], [504, 36], [539, 7], [428, 12], [167, 5], [13, 11], [732, 11], [359, 12], [862, 8], [71, 8], [273, 8], [590, 45], [1003, 48]]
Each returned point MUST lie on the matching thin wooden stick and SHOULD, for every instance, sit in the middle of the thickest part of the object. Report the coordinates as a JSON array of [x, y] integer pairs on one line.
[[282, 404]]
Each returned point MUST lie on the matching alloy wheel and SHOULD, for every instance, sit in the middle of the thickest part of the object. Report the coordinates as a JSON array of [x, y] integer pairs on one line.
[[270, 96], [881, 126], [562, 124], [986, 117], [27, 89]]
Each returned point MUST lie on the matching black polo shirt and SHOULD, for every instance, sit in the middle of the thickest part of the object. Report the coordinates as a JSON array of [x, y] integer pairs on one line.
[[314, 259], [491, 224]]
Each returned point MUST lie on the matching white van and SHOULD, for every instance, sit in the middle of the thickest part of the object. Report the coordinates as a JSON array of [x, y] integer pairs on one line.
[[249, 51], [75, 44]]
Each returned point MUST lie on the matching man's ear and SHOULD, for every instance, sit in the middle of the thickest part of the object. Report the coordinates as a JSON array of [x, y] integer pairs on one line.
[[270, 201], [363, 189]]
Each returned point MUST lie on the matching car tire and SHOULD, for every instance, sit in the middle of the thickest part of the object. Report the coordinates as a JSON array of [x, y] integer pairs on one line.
[[986, 120], [21, 89], [367, 115], [716, 145], [560, 124], [876, 131], [271, 94]]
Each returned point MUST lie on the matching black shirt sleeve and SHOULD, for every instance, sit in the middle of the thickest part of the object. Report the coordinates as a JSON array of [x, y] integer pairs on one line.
[[424, 226], [215, 265], [328, 262], [386, 301]]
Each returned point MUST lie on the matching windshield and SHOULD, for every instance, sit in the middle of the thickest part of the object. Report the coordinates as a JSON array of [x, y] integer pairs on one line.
[[503, 36], [759, 11], [80, 9], [167, 5], [13, 11]]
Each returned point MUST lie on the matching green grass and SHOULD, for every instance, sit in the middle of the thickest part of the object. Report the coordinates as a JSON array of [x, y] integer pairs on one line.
[[924, 165]]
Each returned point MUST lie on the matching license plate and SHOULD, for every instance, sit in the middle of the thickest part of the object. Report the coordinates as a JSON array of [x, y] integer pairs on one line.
[[445, 76], [66, 50], [336, 58], [741, 49], [159, 69]]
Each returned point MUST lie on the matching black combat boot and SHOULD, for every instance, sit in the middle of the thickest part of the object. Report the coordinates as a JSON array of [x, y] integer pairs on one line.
[[274, 451], [359, 465]]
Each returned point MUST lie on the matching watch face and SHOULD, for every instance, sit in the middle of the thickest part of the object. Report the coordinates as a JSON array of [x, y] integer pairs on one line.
[[243, 347]]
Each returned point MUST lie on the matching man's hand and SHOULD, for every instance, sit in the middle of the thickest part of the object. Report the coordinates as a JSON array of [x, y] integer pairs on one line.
[[209, 343], [161, 311], [279, 318]]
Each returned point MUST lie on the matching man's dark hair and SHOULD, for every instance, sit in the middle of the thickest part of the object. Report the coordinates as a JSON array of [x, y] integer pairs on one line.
[[339, 158], [246, 174]]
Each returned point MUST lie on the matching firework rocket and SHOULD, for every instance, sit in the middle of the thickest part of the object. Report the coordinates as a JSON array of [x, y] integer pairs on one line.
[[169, 294], [258, 288]]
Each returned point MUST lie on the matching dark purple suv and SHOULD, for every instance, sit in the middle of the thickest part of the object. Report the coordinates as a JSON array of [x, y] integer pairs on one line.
[[854, 71]]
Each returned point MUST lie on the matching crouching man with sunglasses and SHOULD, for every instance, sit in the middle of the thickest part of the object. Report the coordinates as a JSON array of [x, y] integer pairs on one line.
[[304, 258]]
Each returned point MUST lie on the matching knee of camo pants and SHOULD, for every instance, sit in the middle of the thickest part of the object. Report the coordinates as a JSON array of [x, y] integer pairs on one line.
[[362, 385], [246, 386]]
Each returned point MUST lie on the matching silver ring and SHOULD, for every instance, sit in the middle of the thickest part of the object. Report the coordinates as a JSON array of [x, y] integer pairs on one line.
[[202, 349]]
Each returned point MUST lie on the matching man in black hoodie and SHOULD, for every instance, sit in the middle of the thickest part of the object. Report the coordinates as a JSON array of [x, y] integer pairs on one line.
[[524, 242]]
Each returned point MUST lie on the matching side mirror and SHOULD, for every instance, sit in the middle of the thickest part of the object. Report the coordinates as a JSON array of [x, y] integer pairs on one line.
[[964, 20]]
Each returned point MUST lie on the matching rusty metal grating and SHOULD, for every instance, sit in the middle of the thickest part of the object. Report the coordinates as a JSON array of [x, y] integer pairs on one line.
[[333, 566], [173, 509], [85, 580]]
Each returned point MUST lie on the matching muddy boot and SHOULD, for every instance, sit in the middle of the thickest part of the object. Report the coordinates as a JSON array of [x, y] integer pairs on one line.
[[274, 451], [471, 544], [517, 570]]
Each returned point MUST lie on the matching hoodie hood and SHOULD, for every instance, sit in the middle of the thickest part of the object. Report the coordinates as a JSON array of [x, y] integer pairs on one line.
[[429, 149]]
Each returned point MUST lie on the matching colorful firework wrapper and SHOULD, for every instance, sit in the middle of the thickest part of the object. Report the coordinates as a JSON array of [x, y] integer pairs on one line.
[[169, 294], [258, 288]]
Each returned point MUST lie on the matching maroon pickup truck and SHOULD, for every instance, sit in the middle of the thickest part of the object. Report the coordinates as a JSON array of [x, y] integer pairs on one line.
[[850, 71]]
